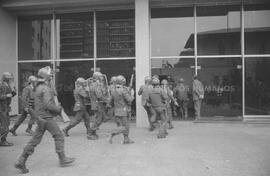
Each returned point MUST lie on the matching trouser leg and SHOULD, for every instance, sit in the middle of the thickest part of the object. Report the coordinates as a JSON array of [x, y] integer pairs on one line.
[[168, 115], [149, 115], [19, 121], [120, 129], [57, 135], [185, 107], [37, 137], [197, 108], [100, 114], [163, 123], [5, 121], [32, 117], [77, 119], [86, 118]]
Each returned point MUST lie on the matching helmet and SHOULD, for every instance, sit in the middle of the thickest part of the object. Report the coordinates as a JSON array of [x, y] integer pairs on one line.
[[155, 76], [97, 75], [7, 76], [32, 79], [121, 80], [147, 79], [181, 80], [80, 81], [164, 82], [155, 81], [45, 72], [113, 79]]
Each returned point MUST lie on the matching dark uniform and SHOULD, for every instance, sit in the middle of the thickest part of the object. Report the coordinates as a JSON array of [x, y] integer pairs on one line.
[[6, 94], [121, 101], [110, 108], [198, 95], [28, 108], [81, 112], [144, 92], [98, 106], [45, 110], [181, 94], [157, 99]]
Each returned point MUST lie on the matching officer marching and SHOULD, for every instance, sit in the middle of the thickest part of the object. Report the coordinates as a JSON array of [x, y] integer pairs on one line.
[[144, 92], [46, 109], [121, 100], [80, 94], [6, 93], [157, 99], [28, 107], [98, 98], [170, 98], [112, 86]]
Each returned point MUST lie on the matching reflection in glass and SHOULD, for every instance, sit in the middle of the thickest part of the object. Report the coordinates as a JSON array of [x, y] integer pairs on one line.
[[257, 86], [76, 35], [222, 80], [170, 31], [66, 75], [119, 67], [34, 38], [257, 29], [24, 71], [172, 70], [218, 30], [116, 34]]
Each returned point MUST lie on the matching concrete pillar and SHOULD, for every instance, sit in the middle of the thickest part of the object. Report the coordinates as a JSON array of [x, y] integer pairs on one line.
[[8, 50], [142, 33]]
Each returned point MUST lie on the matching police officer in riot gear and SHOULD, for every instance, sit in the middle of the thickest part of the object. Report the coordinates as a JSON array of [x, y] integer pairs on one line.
[[98, 98], [170, 99], [157, 99], [144, 92], [80, 95], [45, 109], [6, 93], [121, 100], [28, 107]]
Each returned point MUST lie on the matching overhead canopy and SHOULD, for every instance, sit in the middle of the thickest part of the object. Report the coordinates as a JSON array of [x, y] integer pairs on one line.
[[45, 6]]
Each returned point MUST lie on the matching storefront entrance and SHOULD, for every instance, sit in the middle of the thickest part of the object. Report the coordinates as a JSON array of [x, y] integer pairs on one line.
[[222, 80]]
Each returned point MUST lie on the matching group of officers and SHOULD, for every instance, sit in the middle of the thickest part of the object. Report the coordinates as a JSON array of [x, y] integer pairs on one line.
[[92, 96]]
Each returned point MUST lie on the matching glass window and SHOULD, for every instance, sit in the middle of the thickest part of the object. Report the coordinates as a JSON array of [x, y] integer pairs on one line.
[[218, 30], [119, 67], [76, 35], [257, 29], [116, 34], [24, 71], [66, 75], [222, 80], [173, 70], [34, 38], [257, 86], [171, 30]]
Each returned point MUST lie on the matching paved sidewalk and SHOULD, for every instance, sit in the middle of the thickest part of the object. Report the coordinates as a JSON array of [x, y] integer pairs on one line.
[[191, 149]]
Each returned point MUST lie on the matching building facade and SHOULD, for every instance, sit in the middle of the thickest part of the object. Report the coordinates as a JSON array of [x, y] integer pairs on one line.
[[225, 42]]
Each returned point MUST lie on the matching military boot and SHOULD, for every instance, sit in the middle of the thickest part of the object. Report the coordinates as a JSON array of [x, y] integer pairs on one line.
[[13, 131], [63, 160], [65, 131], [92, 135], [127, 140], [29, 130], [21, 163], [170, 125], [111, 138]]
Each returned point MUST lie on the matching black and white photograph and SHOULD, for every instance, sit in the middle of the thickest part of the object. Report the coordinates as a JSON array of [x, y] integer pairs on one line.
[[135, 87]]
